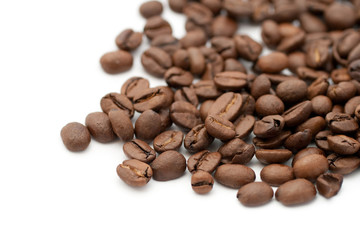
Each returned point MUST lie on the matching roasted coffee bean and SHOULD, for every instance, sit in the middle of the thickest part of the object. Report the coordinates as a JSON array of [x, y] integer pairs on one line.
[[197, 139], [152, 98], [75, 136], [343, 164], [311, 166], [340, 75], [151, 8], [116, 62], [339, 16], [247, 48], [260, 86], [198, 13], [292, 91], [354, 54], [223, 26], [234, 175], [116, 101], [219, 127], [134, 85], [196, 61], [269, 156], [298, 140], [134, 172], [270, 33], [232, 65], [279, 78], [244, 125], [261, 10], [357, 112], [341, 92], [156, 26], [202, 182], [237, 151], [341, 123], [99, 126], [297, 114], [214, 5], [140, 150], [296, 60], [351, 105], [168, 140], [204, 161], [206, 89], [230, 80], [271, 143], [291, 43], [311, 23], [343, 145], [227, 106], [177, 77], [185, 114], [315, 124], [255, 194], [238, 8], [177, 5], [129, 40], [344, 45], [269, 105], [276, 174], [194, 38], [186, 94], [148, 125], [166, 42], [317, 54], [269, 126], [165, 119], [285, 12], [122, 125], [168, 165], [266, 64], [321, 140], [294, 192], [354, 69], [329, 184], [225, 46], [321, 105], [204, 109], [318, 87], [213, 63], [288, 29], [306, 73], [248, 104], [156, 61], [181, 59], [306, 152]]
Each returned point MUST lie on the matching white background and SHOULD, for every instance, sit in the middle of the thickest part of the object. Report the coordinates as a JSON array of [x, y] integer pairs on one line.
[[50, 75]]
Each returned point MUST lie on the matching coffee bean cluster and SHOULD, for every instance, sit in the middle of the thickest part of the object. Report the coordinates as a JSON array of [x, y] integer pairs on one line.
[[211, 95]]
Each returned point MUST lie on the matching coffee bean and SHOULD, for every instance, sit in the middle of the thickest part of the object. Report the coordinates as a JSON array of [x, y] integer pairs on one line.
[[116, 62], [134, 172], [121, 124], [225, 46], [315, 125], [341, 123], [206, 89], [238, 8], [75, 136], [339, 16], [196, 61], [306, 73], [269, 126], [244, 125], [194, 38], [232, 65], [223, 26], [202, 182], [177, 77], [185, 114], [156, 61], [292, 91], [248, 104], [285, 11], [351, 105], [168, 165], [340, 75], [269, 156], [306, 152], [181, 59], [260, 86], [296, 60], [270, 33], [148, 125], [321, 105], [99, 126], [128, 40], [237, 151], [288, 29], [266, 64], [204, 161], [276, 174], [354, 69], [311, 23], [219, 127], [247, 48], [234, 175], [156, 26], [227, 106], [269, 105], [198, 13], [329, 184], [344, 45], [151, 8], [177, 5], [291, 43], [150, 98], [318, 87], [357, 112], [343, 164], [134, 85], [343, 145], [298, 140], [166, 42], [341, 92], [213, 63], [311, 166], [165, 119], [271, 143], [279, 78], [297, 114], [294, 192], [214, 5], [204, 109], [197, 139], [255, 194], [186, 94], [168, 140], [116, 101], [140, 150], [230, 80], [317, 54], [321, 140]]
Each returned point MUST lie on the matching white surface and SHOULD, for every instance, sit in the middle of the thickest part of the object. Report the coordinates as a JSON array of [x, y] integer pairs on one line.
[[50, 75]]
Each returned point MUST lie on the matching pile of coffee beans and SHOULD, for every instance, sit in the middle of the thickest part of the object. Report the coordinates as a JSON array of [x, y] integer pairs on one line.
[[209, 94]]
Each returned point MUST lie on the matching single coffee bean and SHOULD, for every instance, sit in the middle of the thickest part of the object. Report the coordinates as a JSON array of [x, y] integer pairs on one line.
[[271, 143], [116, 62], [247, 48], [244, 126], [343, 145], [177, 5], [255, 194], [341, 92], [166, 42], [269, 126], [248, 104], [234, 175], [292, 91], [261, 86], [156, 61], [168, 140], [311, 23], [344, 45], [128, 40], [279, 78], [269, 105], [269, 156], [317, 54], [339, 16], [285, 12], [233, 65], [329, 184], [134, 172], [288, 29], [340, 75], [223, 26], [298, 140], [306, 73], [266, 64], [206, 89], [148, 125], [196, 61], [294, 192], [227, 106], [311, 166], [177, 77], [354, 69], [214, 5], [321, 105], [204, 109], [315, 124], [198, 13], [116, 101], [260, 11], [122, 125], [306, 152], [185, 114], [151, 8], [99, 126], [134, 85], [156, 26], [318, 87], [341, 123], [343, 164], [296, 60], [238, 8], [168, 165], [197, 139], [213, 63], [230, 80], [181, 59], [237, 151], [351, 105], [150, 98], [321, 140], [219, 127], [75, 136], [276, 174], [204, 161], [297, 114], [270, 33], [291, 43], [165, 119], [225, 46], [202, 182], [140, 150], [194, 38], [186, 94]]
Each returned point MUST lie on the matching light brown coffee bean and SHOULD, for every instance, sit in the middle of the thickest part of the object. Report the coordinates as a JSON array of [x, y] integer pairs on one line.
[[276, 174], [343, 145], [129, 40], [234, 175], [255, 194], [122, 125], [204, 161], [140, 150], [269, 105], [269, 156], [99, 126], [343, 164], [168, 165], [134, 172], [311, 166], [75, 136], [265, 64], [168, 140], [202, 182], [295, 192], [329, 184], [237, 151], [116, 62]]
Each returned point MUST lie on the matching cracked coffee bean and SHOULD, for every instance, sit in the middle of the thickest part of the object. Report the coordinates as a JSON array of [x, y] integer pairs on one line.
[[269, 126], [134, 172], [329, 184], [134, 85], [237, 151], [202, 182], [168, 140], [139, 150], [116, 101], [219, 127], [197, 139], [204, 161]]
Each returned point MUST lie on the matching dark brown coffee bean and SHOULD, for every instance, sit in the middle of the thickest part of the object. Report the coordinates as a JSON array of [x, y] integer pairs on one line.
[[134, 172], [341, 123], [248, 104], [204, 109], [168, 165], [121, 124], [311, 166], [244, 125], [271, 143], [197, 139], [270, 33], [166, 42], [306, 152], [292, 91], [321, 105], [297, 114], [354, 69], [343, 164], [260, 86], [351, 105], [129, 40], [269, 126], [321, 140], [232, 65], [196, 61], [219, 127], [291, 43], [204, 161], [225, 46], [329, 184], [317, 55], [177, 5], [214, 5], [288, 29], [75, 136], [134, 85], [198, 13], [238, 8], [186, 94], [156, 26], [247, 48], [230, 80], [269, 156], [116, 62], [148, 125], [296, 60], [266, 64], [255, 194], [306, 73], [168, 140], [185, 115], [194, 38], [341, 92], [223, 26], [234, 175], [311, 23], [294, 192], [227, 106], [298, 140], [213, 63], [276, 174], [153, 98], [116, 101], [343, 145], [177, 77], [344, 45], [318, 87], [181, 59], [340, 75], [315, 124], [156, 61], [339, 16], [269, 105], [279, 78], [140, 150], [151, 8], [206, 89], [202, 182], [237, 151], [99, 126]]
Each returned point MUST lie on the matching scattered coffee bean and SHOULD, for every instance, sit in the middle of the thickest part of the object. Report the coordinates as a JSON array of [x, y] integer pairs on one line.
[[234, 175], [185, 114], [227, 106], [116, 101], [122, 125], [156, 26], [197, 139], [99, 126], [269, 105], [276, 174], [295, 192], [148, 125], [134, 172], [237, 151], [343, 164], [116, 62], [269, 126], [343, 145], [311, 166], [269, 156], [244, 125], [140, 150], [168, 165], [204, 161], [329, 184], [219, 127], [168, 140], [266, 64], [134, 85], [156, 61], [129, 40], [255, 194], [202, 182], [75, 136], [150, 9]]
